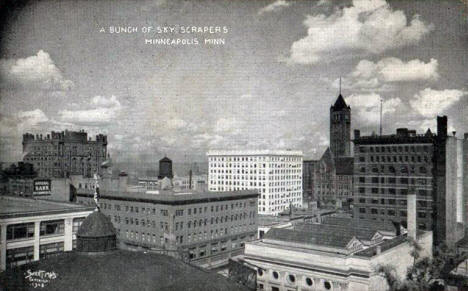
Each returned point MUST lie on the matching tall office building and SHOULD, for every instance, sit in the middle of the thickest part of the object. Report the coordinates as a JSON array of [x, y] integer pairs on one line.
[[61, 154], [390, 167], [276, 174]]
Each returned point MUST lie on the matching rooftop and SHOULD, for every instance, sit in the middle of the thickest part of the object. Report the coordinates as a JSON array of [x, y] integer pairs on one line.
[[253, 153], [361, 223], [114, 270], [172, 197], [19, 207], [340, 103]]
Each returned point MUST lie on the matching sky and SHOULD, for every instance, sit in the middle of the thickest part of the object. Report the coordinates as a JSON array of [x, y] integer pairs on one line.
[[269, 86]]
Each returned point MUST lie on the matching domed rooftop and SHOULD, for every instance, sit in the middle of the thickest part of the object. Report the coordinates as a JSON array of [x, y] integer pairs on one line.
[[96, 225], [96, 234]]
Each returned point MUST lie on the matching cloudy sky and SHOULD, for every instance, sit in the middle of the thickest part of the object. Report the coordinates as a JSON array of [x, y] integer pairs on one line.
[[269, 86]]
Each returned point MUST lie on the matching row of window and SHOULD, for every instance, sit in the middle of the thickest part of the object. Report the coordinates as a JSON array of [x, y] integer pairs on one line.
[[404, 169], [395, 149], [291, 279], [391, 191], [391, 212], [393, 159]]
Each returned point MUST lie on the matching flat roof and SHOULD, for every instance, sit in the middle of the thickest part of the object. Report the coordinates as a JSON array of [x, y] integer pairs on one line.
[[254, 153], [170, 197], [19, 207]]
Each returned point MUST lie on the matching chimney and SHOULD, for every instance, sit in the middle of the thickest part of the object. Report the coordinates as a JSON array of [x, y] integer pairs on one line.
[[378, 250], [123, 182], [442, 126], [412, 215], [190, 179]]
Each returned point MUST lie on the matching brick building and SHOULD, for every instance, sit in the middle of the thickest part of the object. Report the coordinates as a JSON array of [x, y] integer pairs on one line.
[[332, 178], [389, 167], [205, 228], [60, 154]]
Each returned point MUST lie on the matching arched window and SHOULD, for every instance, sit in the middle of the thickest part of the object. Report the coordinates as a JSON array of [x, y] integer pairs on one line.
[[291, 279], [309, 282], [327, 285], [275, 275]]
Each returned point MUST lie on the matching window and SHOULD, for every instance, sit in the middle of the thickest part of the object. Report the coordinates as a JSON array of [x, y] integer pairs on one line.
[[52, 227], [275, 275], [50, 249], [77, 223], [391, 212], [362, 180], [291, 279], [19, 256], [19, 231], [260, 272], [374, 211], [327, 285], [309, 282]]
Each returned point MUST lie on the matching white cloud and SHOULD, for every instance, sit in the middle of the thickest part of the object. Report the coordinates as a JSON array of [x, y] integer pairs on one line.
[[368, 74], [106, 110], [275, 6], [38, 72], [367, 106], [369, 26], [430, 102]]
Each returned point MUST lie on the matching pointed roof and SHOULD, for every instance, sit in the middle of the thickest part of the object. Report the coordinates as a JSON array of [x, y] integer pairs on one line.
[[340, 103]]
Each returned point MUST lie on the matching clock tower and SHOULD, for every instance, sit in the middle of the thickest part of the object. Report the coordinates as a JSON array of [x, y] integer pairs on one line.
[[340, 128]]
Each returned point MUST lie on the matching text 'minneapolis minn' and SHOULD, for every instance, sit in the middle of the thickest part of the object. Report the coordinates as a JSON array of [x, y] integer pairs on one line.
[[174, 35]]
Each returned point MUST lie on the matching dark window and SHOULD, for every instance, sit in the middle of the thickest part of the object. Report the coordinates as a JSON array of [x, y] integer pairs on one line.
[[275, 275], [19, 231], [309, 281], [362, 210], [327, 285], [52, 227]]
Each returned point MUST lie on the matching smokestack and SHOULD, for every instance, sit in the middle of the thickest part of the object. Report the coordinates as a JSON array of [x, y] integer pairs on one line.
[[190, 179], [412, 215]]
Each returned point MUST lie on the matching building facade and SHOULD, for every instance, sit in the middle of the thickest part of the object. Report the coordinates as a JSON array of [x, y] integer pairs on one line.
[[330, 257], [204, 228], [277, 175], [332, 179], [31, 230], [389, 167], [60, 154], [309, 170]]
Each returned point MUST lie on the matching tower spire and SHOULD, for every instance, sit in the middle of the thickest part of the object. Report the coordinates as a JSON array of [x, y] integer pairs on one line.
[[381, 104], [340, 85]]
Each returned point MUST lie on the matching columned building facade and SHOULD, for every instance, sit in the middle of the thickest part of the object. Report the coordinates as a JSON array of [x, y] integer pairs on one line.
[[277, 175]]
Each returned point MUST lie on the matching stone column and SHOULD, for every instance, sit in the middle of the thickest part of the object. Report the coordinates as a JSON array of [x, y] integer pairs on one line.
[[3, 246], [68, 235], [37, 233]]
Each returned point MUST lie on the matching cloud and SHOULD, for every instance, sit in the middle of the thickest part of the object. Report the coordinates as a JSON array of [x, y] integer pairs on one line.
[[34, 72], [368, 74], [275, 6], [368, 26], [430, 102], [105, 112], [367, 106], [229, 125]]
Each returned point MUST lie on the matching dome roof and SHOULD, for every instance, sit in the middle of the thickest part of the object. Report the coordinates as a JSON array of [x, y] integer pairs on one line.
[[165, 159], [96, 225]]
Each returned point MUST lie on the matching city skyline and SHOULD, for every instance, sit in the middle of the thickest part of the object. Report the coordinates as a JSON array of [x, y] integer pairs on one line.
[[269, 86]]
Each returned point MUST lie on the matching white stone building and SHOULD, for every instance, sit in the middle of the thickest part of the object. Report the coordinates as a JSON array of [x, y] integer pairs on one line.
[[276, 174], [33, 229]]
